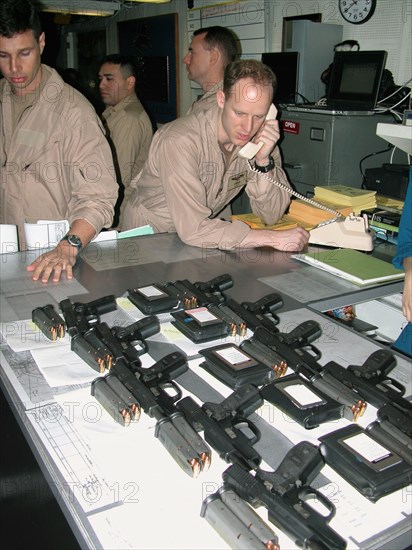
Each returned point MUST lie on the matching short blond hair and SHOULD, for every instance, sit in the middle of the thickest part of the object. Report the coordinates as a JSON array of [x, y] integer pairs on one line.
[[260, 73]]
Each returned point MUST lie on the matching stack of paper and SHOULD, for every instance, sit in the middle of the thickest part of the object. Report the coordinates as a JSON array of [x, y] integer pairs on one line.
[[357, 199], [352, 265], [389, 202], [305, 213], [256, 223]]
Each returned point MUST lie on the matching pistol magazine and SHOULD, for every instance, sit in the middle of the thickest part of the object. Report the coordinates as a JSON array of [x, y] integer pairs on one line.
[[49, 322]]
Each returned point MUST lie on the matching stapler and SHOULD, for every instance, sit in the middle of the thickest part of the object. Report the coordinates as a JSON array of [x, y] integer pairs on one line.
[[350, 232]]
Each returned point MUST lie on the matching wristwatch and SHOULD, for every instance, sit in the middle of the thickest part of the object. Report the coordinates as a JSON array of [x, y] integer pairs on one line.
[[73, 240], [266, 168]]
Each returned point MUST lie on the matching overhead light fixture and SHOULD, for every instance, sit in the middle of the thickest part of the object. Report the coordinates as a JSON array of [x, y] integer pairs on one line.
[[80, 7]]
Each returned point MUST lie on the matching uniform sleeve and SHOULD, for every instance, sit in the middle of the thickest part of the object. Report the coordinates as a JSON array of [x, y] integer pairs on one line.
[[267, 200], [186, 197], [132, 139], [88, 165], [404, 249]]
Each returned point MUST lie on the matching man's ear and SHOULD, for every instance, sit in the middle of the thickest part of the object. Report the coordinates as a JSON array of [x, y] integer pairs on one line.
[[214, 56], [42, 42], [220, 98], [131, 82]]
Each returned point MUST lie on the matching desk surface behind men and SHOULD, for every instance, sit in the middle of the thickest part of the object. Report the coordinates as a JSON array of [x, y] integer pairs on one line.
[[143, 499], [114, 266]]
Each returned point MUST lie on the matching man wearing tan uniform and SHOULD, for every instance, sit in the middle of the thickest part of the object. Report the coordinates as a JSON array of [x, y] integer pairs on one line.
[[210, 52], [56, 162], [194, 169], [129, 128]]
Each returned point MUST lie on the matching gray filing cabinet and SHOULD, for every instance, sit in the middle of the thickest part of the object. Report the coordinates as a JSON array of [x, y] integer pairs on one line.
[[325, 149]]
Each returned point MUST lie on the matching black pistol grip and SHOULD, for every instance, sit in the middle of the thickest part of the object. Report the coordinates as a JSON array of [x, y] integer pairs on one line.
[[300, 466], [217, 284], [102, 305], [148, 326], [171, 366], [240, 404], [67, 308], [401, 418], [221, 282], [305, 333], [267, 304], [140, 330], [192, 411], [376, 367]]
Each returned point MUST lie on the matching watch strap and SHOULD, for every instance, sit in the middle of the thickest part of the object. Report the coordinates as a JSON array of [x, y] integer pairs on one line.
[[73, 240], [267, 168]]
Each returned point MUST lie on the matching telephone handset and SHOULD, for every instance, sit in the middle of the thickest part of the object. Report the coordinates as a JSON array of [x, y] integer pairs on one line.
[[250, 150], [340, 231]]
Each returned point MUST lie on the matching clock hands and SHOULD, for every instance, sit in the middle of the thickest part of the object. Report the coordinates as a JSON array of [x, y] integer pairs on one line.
[[354, 3]]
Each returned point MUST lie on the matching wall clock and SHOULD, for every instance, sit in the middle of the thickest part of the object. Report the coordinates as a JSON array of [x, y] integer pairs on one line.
[[357, 11]]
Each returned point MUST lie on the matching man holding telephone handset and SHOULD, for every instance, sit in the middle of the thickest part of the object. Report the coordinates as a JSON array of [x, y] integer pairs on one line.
[[194, 169]]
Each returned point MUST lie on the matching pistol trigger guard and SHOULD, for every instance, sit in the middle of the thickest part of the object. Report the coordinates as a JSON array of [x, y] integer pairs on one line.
[[390, 383], [312, 350], [92, 320], [171, 385], [308, 493], [142, 344], [317, 353], [255, 431]]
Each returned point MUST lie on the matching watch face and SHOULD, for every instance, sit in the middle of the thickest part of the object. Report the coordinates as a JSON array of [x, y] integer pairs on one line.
[[74, 240], [357, 11]]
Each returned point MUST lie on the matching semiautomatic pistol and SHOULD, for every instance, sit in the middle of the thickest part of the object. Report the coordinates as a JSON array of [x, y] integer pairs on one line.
[[222, 424], [285, 494]]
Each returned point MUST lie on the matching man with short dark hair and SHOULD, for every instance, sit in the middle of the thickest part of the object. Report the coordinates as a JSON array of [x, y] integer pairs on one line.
[[194, 169], [210, 52], [129, 127], [56, 162]]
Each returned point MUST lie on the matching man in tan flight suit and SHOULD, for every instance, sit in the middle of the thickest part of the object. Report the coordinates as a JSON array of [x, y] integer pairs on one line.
[[56, 162], [129, 127], [210, 52], [194, 169]]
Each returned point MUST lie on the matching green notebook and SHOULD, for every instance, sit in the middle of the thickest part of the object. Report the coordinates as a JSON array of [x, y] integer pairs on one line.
[[352, 265]]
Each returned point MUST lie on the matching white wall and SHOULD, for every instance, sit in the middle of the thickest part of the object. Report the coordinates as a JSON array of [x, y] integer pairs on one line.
[[389, 29], [258, 23]]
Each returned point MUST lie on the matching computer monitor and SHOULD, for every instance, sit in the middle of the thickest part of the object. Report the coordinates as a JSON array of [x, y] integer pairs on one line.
[[356, 78], [285, 66]]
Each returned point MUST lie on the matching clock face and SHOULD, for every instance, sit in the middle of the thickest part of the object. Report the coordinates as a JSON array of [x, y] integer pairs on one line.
[[357, 11]]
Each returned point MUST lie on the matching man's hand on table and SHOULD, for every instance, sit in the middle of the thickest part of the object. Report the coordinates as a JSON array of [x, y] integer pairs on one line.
[[54, 263], [63, 257], [285, 240]]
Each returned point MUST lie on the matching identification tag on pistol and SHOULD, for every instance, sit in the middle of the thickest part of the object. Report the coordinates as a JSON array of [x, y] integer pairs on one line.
[[235, 368], [372, 468], [200, 325], [153, 299], [302, 402]]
